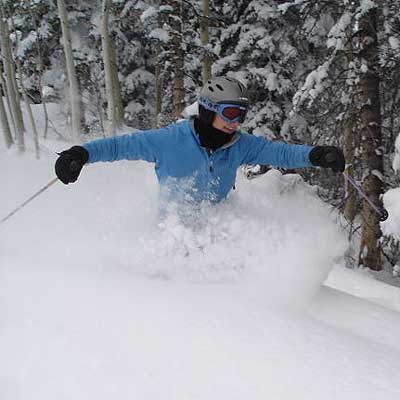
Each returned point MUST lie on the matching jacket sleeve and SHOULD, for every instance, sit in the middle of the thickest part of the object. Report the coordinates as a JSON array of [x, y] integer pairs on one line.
[[258, 150], [146, 145]]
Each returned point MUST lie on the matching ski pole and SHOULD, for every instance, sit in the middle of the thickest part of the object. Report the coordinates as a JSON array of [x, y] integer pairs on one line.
[[52, 182], [382, 212]]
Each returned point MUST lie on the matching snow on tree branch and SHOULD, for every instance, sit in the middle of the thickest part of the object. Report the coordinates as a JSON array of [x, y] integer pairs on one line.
[[313, 86]]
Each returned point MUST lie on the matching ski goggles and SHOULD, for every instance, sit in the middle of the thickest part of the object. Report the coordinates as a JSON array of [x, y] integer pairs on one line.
[[228, 112]]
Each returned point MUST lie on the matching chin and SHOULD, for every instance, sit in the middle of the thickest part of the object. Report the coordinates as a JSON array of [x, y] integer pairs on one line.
[[227, 130]]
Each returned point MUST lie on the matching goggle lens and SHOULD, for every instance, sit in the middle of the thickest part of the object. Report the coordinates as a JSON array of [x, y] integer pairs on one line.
[[232, 112]]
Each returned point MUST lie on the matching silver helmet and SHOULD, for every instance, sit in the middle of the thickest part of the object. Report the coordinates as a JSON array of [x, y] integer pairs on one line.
[[225, 90]]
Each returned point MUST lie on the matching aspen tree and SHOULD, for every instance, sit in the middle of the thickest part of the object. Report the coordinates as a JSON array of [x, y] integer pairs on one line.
[[113, 89], [26, 97], [10, 83], [75, 98], [8, 139]]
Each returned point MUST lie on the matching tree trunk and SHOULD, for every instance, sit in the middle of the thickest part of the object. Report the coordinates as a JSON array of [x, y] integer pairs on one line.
[[26, 99], [350, 207], [10, 84], [158, 86], [39, 64], [119, 106], [33, 124], [46, 118], [8, 139], [10, 115], [371, 141], [75, 98], [177, 57], [206, 61], [113, 89]]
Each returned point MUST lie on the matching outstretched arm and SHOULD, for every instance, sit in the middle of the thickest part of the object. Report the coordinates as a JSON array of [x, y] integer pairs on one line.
[[259, 150], [146, 146]]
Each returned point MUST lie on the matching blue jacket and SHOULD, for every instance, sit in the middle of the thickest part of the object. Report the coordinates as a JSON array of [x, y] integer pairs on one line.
[[184, 168]]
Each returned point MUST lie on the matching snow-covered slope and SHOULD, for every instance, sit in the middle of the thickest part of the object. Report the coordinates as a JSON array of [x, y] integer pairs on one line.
[[99, 300]]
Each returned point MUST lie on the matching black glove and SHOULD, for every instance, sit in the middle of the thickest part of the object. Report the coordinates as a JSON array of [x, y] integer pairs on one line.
[[69, 164], [328, 157]]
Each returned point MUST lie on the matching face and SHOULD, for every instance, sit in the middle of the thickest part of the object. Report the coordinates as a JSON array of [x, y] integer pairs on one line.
[[224, 126]]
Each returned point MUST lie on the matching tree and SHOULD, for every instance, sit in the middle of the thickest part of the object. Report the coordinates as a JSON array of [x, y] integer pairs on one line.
[[370, 250], [36, 29], [74, 94], [8, 139], [346, 86], [158, 85], [136, 63], [175, 48], [26, 98], [11, 85], [204, 36], [163, 25], [115, 110]]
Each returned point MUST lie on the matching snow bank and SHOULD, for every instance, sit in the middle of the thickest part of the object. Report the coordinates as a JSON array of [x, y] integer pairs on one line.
[[98, 300]]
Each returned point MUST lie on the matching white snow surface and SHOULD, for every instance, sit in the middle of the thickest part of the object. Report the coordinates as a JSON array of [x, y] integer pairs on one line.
[[100, 300]]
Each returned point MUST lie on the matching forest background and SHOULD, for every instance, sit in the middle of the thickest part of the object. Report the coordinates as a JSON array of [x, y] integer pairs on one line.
[[318, 72]]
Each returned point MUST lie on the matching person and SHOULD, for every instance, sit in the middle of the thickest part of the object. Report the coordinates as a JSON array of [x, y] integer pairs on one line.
[[198, 158]]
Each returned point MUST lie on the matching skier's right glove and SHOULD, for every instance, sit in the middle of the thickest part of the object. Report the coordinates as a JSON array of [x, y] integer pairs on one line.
[[70, 163]]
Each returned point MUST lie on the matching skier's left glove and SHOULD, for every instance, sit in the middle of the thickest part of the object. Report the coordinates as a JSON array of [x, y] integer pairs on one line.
[[328, 157]]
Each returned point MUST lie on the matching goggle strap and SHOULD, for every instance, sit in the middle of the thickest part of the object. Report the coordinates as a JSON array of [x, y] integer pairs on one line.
[[209, 105], [219, 108]]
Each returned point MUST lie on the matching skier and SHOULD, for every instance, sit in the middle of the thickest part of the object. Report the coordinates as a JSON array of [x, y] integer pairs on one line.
[[198, 158]]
